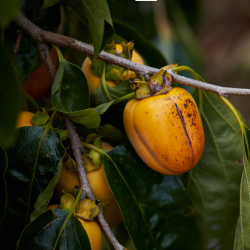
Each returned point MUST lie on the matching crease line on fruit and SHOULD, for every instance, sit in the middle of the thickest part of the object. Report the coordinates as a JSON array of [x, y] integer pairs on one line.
[[184, 127]]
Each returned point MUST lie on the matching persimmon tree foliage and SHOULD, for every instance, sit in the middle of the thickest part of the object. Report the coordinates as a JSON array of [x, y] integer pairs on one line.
[[57, 129]]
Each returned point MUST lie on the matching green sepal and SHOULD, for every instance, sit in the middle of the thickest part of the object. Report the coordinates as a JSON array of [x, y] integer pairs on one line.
[[127, 50], [91, 138], [141, 88], [40, 118], [161, 82], [87, 209], [62, 133], [66, 201], [97, 64], [115, 72], [70, 163], [88, 163]]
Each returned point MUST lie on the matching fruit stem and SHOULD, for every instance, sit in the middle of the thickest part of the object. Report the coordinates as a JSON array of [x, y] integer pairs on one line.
[[104, 83]]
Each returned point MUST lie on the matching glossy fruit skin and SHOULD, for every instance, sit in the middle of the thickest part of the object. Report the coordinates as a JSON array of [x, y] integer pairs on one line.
[[92, 229], [94, 80], [24, 119], [68, 180], [94, 233], [39, 84], [166, 131]]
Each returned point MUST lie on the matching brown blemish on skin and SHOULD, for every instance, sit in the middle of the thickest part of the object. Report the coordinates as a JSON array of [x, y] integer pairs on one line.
[[184, 127]]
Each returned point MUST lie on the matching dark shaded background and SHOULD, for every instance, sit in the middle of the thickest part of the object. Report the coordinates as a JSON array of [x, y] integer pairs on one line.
[[211, 36]]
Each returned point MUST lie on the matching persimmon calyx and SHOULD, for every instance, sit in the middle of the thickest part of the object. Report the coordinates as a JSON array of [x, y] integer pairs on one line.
[[161, 82], [67, 200], [88, 209], [40, 118]]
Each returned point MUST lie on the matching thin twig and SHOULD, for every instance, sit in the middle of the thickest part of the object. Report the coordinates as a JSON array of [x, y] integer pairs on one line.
[[59, 40], [45, 54], [18, 42], [76, 148]]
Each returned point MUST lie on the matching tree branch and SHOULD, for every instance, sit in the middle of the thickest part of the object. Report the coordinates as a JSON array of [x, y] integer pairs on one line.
[[45, 54], [18, 42], [59, 40], [76, 148]]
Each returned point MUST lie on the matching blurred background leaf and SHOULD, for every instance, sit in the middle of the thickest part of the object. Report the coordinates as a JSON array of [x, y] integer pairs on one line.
[[10, 99], [28, 58], [3, 189], [215, 182], [29, 171], [8, 10]]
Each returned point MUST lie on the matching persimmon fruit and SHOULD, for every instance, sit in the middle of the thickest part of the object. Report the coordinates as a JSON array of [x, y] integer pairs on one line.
[[39, 83], [24, 119], [166, 131]]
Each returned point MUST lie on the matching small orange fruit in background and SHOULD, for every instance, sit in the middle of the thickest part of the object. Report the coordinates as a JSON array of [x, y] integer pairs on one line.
[[39, 84], [24, 119]]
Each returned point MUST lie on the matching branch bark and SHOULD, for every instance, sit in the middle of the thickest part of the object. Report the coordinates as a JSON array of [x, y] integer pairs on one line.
[[76, 148], [60, 40], [18, 42]]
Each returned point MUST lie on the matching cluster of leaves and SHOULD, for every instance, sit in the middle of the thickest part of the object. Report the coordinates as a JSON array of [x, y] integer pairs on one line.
[[197, 210]]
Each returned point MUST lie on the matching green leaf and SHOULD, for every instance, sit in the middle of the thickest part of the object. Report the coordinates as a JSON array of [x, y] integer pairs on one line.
[[33, 161], [242, 240], [88, 117], [214, 183], [3, 189], [49, 3], [60, 231], [45, 196], [152, 55], [99, 97], [28, 58], [70, 91], [156, 208], [70, 94], [10, 99], [99, 20], [8, 11], [110, 133]]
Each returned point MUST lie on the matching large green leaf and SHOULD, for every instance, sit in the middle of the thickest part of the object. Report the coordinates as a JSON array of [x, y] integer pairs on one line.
[[49, 3], [10, 99], [28, 58], [70, 94], [33, 161], [60, 231], [3, 190], [8, 11], [100, 22], [242, 240], [152, 55], [156, 208], [215, 182]]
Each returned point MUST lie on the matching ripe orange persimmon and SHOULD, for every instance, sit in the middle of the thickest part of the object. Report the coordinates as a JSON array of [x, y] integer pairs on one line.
[[94, 80], [166, 131], [94, 233], [24, 119], [39, 84], [92, 229], [68, 180]]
